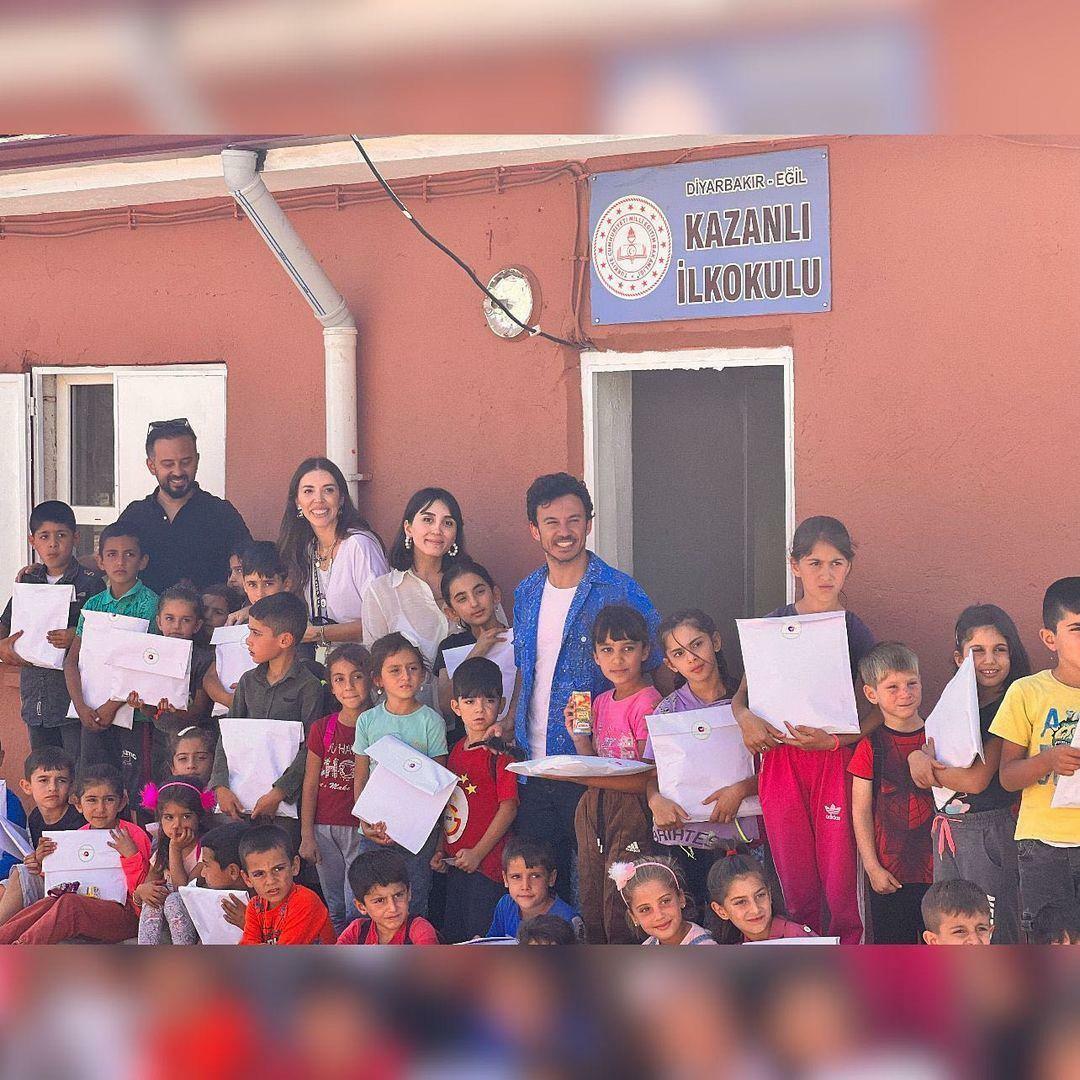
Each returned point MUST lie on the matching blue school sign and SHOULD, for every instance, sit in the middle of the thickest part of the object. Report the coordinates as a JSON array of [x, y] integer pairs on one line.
[[735, 236]]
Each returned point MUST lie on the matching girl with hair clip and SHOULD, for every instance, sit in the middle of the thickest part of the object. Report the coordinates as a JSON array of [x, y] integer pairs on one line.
[[974, 834], [331, 552], [180, 810], [693, 650], [742, 904], [802, 780], [408, 599], [656, 902]]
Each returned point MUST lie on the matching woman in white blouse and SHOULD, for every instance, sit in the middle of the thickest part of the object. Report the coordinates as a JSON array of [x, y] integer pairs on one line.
[[332, 552], [406, 599]]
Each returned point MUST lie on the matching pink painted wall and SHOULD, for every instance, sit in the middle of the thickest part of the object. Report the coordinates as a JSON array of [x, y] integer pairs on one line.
[[932, 404]]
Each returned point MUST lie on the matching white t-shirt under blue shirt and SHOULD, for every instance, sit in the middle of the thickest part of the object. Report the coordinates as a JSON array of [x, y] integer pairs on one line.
[[507, 917]]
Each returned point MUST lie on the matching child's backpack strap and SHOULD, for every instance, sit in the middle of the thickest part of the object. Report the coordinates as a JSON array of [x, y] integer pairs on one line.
[[329, 732]]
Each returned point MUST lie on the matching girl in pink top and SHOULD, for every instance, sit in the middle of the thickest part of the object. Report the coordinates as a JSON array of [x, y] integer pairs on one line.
[[742, 902], [613, 824]]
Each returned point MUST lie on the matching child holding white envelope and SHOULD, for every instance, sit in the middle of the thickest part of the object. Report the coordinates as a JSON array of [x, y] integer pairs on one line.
[[803, 783], [974, 832], [398, 670], [693, 649], [121, 559], [42, 690]]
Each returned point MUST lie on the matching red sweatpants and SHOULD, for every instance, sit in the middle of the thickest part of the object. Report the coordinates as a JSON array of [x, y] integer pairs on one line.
[[57, 919], [806, 802]]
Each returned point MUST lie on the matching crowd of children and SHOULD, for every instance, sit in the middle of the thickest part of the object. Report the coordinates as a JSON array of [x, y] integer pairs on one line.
[[848, 841]]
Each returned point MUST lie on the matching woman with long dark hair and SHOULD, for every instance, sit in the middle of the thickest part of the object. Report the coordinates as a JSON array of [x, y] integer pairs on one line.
[[332, 553], [406, 600]]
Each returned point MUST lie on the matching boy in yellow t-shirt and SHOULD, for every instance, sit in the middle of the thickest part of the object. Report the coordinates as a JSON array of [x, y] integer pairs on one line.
[[1037, 720]]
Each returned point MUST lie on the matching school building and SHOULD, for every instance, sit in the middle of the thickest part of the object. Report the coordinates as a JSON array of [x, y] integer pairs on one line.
[[875, 328]]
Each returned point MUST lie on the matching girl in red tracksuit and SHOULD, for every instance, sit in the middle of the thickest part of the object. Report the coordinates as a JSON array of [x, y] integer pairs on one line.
[[803, 784]]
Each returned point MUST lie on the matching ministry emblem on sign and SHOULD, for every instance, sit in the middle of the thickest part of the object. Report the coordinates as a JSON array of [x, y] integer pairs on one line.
[[631, 247]]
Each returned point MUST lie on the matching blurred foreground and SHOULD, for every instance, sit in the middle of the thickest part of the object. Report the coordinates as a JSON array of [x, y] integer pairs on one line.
[[870, 1012]]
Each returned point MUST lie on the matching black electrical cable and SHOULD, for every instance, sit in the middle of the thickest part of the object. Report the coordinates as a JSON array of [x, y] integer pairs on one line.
[[533, 331]]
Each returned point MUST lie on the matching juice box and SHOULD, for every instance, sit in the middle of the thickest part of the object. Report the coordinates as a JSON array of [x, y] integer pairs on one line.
[[581, 703]]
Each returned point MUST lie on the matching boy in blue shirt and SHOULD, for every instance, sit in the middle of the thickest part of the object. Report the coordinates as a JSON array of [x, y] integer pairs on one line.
[[529, 874]]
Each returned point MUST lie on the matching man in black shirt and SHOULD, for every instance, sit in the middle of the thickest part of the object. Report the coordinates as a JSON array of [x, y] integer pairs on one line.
[[187, 532]]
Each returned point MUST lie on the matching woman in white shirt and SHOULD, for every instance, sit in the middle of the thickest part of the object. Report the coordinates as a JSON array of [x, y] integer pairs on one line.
[[406, 599], [332, 553]]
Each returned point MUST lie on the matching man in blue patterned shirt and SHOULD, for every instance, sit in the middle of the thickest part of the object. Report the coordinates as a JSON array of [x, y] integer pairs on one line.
[[554, 609]]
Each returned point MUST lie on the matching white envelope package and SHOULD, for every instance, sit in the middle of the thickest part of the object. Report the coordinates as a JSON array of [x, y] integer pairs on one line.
[[558, 766], [258, 752], [94, 650], [36, 610], [84, 856], [502, 654], [798, 671], [1067, 788], [406, 790], [157, 668], [954, 725], [204, 907], [231, 656], [699, 752]]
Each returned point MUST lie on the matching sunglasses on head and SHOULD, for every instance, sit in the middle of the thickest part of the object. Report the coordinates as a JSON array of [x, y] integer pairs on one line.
[[180, 422]]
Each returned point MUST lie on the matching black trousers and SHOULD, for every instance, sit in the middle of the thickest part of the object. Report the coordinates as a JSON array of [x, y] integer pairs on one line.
[[546, 812], [896, 918], [67, 737]]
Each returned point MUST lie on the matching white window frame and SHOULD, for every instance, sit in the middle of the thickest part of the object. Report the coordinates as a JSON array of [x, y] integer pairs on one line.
[[66, 377], [597, 363], [84, 515]]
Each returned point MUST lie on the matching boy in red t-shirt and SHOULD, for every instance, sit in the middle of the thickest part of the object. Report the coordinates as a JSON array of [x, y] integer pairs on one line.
[[892, 816], [482, 808], [283, 912]]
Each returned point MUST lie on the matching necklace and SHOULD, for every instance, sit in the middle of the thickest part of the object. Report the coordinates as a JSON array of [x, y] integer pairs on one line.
[[325, 559]]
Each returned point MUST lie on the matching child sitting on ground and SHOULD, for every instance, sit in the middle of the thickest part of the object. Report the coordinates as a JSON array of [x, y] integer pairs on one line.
[[891, 815], [180, 809], [742, 902], [656, 902], [482, 808], [529, 874], [219, 868], [380, 883], [47, 777], [283, 912], [956, 912], [1056, 924], [100, 798]]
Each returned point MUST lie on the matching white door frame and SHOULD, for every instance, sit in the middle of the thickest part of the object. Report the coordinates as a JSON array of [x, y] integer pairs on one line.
[[596, 363]]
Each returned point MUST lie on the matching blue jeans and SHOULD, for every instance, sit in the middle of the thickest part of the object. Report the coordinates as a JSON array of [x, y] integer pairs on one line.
[[338, 845], [418, 866]]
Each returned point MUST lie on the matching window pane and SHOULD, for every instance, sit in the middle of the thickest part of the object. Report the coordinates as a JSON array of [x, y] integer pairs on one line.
[[92, 457]]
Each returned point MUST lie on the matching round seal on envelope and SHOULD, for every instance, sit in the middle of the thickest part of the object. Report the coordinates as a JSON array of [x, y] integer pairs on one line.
[[150, 657], [86, 853], [700, 730], [790, 629], [411, 764], [631, 247], [456, 815]]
